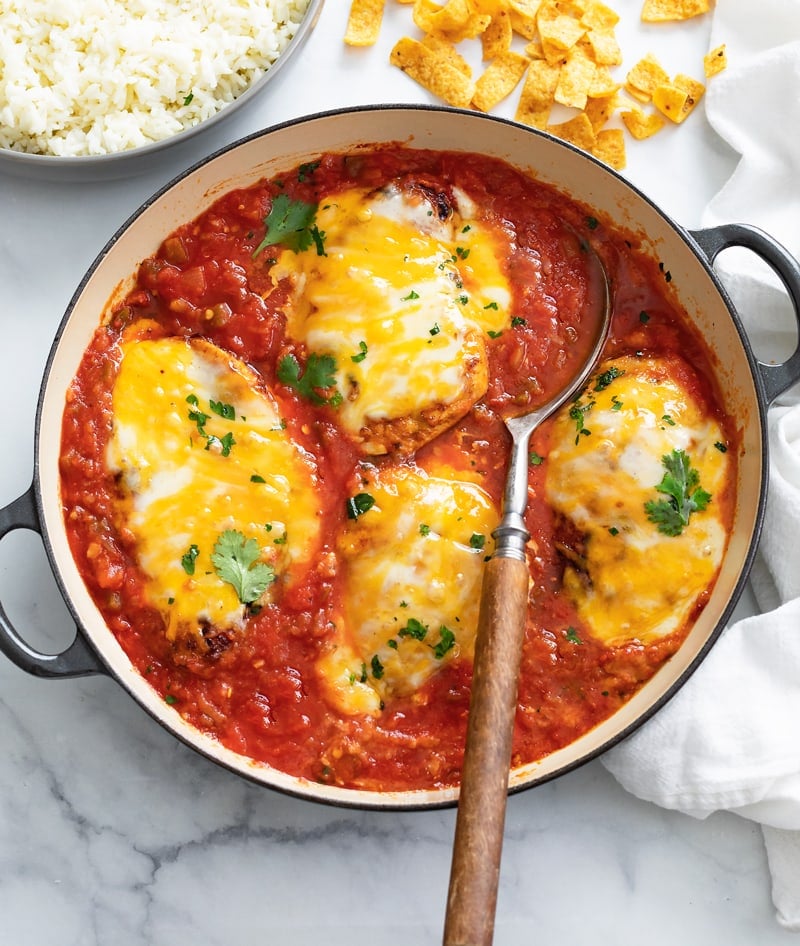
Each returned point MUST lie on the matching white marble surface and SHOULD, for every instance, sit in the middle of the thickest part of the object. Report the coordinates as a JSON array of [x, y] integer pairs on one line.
[[111, 832]]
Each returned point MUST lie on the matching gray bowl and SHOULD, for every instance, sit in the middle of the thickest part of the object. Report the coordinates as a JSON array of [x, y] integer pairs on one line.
[[135, 160]]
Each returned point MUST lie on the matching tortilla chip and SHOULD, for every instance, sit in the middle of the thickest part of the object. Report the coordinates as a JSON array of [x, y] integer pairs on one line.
[[575, 79], [645, 77], [447, 52], [676, 99], [559, 32], [364, 22], [536, 98], [603, 84], [605, 48], [500, 78], [597, 16], [533, 50], [598, 111], [662, 11], [577, 131], [433, 72], [430, 17], [640, 124], [610, 147], [496, 38], [715, 61]]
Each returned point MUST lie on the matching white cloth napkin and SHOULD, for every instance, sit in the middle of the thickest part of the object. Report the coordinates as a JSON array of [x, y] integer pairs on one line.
[[730, 739]]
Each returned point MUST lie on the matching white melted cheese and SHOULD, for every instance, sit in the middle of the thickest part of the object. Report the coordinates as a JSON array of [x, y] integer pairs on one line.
[[401, 299], [180, 489], [638, 583], [410, 562]]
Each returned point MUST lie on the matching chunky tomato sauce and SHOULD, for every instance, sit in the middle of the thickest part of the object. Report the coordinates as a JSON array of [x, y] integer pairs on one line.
[[258, 691]]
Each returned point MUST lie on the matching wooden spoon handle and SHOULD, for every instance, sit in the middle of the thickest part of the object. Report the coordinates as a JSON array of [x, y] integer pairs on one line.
[[480, 822]]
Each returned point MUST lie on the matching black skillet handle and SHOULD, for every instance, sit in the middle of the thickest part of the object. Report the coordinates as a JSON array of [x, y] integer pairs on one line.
[[78, 660], [776, 378]]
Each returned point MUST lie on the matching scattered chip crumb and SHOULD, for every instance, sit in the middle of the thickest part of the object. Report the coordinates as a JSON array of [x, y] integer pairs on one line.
[[664, 11], [715, 61], [560, 57]]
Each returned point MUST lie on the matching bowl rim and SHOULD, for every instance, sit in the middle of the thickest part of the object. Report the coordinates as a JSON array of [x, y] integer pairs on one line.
[[412, 800], [12, 160]]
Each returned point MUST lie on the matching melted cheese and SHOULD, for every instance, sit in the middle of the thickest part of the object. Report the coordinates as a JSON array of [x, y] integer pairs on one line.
[[636, 583], [403, 301], [411, 567], [187, 480]]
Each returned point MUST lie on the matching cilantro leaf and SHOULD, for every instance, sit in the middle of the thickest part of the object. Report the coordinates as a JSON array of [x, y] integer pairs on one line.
[[415, 629], [292, 224], [319, 374], [359, 504], [681, 483], [235, 560], [447, 640]]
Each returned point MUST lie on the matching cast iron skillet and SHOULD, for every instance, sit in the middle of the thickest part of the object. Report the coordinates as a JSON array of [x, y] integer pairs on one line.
[[748, 387]]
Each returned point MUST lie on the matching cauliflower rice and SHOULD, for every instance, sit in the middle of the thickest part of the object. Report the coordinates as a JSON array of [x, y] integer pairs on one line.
[[83, 77]]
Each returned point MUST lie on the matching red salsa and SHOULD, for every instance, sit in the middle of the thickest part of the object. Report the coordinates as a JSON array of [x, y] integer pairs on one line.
[[258, 691]]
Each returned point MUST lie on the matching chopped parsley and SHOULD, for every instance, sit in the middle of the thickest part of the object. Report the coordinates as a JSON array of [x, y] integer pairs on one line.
[[377, 667], [644, 318], [306, 170], [236, 561], [447, 640], [605, 378], [415, 629], [359, 504], [199, 418], [411, 296], [189, 558], [362, 353], [477, 541], [535, 459], [493, 334], [681, 483], [578, 413], [723, 448], [424, 529], [319, 375], [572, 635], [517, 321], [223, 444], [226, 411], [435, 330]]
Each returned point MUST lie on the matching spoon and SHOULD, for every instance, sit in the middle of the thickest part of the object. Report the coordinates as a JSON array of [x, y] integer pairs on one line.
[[477, 847]]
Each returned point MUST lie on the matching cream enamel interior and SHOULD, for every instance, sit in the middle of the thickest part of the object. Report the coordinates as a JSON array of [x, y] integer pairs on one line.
[[285, 146]]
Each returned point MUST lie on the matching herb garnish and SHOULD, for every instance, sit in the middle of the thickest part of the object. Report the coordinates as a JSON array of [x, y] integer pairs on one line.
[[447, 640], [605, 378], [578, 413], [235, 560], [415, 629], [681, 483], [292, 224], [189, 558], [362, 353], [319, 375], [359, 504]]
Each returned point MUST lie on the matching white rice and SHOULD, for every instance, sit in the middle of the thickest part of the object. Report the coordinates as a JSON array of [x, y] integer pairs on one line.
[[82, 77]]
